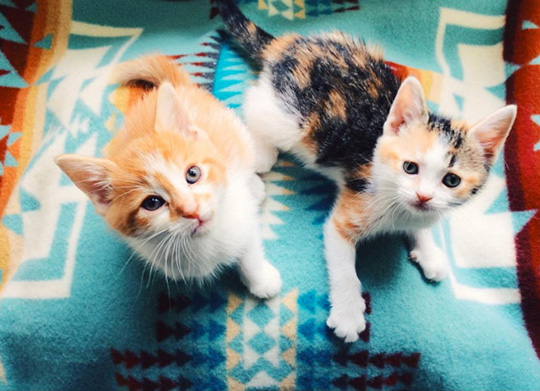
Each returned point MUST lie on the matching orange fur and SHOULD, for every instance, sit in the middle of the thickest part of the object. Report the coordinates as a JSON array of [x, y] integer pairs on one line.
[[312, 124], [469, 181], [411, 145], [154, 69], [275, 50], [351, 214], [336, 105], [138, 153]]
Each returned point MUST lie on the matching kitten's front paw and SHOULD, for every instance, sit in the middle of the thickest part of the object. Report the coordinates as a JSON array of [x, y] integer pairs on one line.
[[433, 263], [267, 283], [266, 158], [258, 188], [348, 323]]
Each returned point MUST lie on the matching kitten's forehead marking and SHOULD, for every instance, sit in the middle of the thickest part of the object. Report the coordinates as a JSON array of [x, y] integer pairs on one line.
[[171, 178], [435, 159], [165, 173], [452, 130], [420, 140]]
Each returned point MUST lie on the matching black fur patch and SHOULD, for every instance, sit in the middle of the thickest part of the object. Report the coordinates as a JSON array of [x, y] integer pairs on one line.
[[251, 37], [349, 142], [452, 161], [444, 126]]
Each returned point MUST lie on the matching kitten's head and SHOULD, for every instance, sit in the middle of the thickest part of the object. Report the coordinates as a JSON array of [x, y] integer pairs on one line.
[[431, 164], [161, 175]]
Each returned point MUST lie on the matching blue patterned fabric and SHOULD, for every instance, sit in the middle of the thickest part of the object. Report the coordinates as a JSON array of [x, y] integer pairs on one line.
[[80, 313]]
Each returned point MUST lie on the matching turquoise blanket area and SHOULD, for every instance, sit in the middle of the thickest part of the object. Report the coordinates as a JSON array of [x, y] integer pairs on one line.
[[81, 314]]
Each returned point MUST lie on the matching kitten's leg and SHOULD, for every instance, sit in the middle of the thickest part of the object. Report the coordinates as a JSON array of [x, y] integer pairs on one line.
[[347, 305], [258, 188], [266, 155], [260, 276], [428, 255]]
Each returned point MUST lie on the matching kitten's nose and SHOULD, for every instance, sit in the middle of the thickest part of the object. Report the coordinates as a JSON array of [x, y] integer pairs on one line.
[[191, 215], [423, 198]]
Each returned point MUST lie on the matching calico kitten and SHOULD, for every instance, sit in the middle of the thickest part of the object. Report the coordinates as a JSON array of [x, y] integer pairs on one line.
[[178, 181], [334, 103]]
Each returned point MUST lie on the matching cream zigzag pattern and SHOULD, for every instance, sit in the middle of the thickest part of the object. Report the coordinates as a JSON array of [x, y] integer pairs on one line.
[[270, 205], [243, 329]]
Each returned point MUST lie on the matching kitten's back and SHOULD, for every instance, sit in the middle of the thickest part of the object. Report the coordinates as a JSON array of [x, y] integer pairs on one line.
[[340, 90]]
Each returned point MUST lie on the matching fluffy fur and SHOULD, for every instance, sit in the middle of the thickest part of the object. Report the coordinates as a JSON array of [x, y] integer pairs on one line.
[[143, 185], [334, 103]]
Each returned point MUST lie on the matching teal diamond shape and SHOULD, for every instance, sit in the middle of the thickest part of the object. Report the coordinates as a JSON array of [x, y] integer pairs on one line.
[[280, 6], [261, 343], [261, 314], [285, 315]]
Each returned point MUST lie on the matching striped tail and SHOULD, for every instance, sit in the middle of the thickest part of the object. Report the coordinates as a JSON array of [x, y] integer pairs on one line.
[[251, 37]]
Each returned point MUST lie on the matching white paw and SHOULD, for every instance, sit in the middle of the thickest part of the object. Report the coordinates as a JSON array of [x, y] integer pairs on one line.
[[258, 188], [434, 263], [265, 159], [267, 282], [348, 323]]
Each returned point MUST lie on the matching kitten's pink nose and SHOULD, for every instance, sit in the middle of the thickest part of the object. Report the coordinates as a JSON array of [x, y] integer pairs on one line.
[[423, 198]]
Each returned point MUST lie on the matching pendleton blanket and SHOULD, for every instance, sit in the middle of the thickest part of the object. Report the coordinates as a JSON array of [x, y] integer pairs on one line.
[[77, 314]]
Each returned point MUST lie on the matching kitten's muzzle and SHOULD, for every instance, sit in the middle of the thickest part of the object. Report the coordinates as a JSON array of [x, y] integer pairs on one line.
[[422, 201], [200, 224], [423, 198]]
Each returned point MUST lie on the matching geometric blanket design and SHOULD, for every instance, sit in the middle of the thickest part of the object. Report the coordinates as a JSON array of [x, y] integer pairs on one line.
[[79, 311]]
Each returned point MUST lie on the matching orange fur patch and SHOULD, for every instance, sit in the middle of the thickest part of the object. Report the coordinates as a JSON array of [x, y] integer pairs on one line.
[[313, 123], [302, 71], [469, 181], [336, 105], [275, 50], [459, 124], [138, 152], [251, 28], [350, 214], [411, 145]]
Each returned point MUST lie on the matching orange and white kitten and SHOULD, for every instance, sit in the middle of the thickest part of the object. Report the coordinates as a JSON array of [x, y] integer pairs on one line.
[[178, 181]]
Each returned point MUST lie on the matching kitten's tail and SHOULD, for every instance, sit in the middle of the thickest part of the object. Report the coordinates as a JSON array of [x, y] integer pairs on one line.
[[151, 70], [250, 36]]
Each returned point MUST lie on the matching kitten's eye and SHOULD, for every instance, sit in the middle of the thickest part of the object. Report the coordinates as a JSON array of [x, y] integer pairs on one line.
[[152, 203], [410, 168], [451, 180], [193, 174]]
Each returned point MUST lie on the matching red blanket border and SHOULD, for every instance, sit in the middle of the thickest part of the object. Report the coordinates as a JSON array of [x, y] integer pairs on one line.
[[521, 46]]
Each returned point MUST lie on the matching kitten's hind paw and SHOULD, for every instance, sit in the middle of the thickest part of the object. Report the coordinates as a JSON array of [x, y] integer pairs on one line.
[[433, 263], [267, 283], [347, 324]]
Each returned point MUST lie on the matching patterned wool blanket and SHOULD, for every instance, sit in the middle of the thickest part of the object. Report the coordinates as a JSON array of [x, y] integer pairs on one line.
[[76, 313]]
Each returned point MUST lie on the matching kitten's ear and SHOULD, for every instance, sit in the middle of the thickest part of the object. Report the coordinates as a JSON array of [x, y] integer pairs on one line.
[[92, 176], [492, 131], [170, 112], [408, 106]]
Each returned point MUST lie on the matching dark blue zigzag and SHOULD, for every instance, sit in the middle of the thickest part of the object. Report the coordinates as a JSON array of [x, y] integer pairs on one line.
[[213, 329], [212, 358]]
